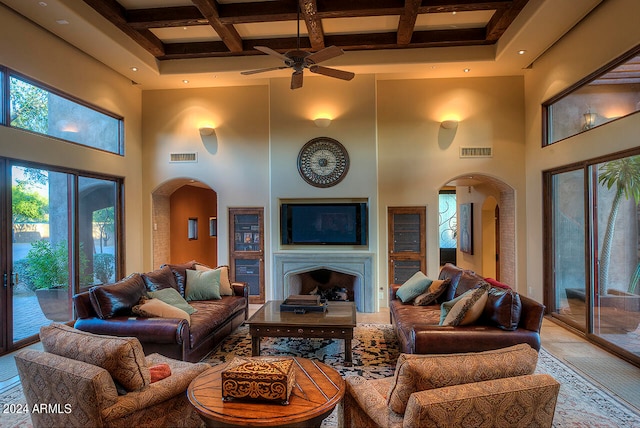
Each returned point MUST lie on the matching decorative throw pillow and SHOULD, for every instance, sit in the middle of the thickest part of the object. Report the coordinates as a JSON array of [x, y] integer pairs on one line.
[[435, 290], [160, 279], [172, 297], [413, 287], [117, 299], [180, 272], [159, 372], [503, 308], [225, 284], [156, 308], [466, 308], [497, 283], [203, 285], [122, 357]]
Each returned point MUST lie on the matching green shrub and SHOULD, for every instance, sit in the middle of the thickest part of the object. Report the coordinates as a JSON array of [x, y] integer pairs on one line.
[[103, 264], [46, 265]]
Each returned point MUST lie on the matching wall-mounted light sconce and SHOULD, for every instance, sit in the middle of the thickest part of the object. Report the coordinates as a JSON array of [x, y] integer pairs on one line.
[[207, 131], [449, 124], [322, 122], [589, 120]]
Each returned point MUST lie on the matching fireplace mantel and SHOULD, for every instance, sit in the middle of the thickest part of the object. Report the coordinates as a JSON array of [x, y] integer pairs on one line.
[[359, 264]]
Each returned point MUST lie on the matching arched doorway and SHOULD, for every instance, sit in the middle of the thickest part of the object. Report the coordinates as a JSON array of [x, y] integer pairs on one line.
[[184, 219], [494, 231]]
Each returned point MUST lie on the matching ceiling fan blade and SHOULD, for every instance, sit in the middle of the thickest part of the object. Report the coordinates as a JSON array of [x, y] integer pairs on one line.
[[296, 80], [270, 51], [332, 72], [262, 70], [324, 54]]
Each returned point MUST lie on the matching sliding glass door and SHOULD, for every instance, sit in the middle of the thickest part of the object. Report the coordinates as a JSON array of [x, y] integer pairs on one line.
[[60, 234], [594, 256]]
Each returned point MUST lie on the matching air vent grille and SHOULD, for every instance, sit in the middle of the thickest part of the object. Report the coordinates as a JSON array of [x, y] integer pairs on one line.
[[476, 152], [184, 157]]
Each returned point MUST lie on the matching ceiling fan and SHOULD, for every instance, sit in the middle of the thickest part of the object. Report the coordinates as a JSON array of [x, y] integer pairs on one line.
[[298, 60]]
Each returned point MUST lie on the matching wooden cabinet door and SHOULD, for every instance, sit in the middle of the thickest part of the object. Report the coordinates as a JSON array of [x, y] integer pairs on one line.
[[407, 242], [246, 249]]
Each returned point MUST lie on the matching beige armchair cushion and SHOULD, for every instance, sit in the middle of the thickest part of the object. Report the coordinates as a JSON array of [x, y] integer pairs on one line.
[[522, 401], [122, 357], [423, 372]]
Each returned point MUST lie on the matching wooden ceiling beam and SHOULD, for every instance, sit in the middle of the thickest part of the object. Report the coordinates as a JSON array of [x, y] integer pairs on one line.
[[503, 18], [309, 11], [115, 13], [407, 21], [227, 32]]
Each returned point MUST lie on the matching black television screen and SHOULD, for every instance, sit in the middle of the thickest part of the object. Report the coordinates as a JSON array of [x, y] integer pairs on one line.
[[324, 223]]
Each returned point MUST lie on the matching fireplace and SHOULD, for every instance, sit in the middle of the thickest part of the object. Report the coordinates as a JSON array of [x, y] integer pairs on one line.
[[349, 268]]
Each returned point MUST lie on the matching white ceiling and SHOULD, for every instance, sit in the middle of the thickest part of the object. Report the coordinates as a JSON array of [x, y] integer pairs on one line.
[[540, 24]]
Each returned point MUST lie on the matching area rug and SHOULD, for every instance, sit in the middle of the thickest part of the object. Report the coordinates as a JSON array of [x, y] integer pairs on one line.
[[580, 403]]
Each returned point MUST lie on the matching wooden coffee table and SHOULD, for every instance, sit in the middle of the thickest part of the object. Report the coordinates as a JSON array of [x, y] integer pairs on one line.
[[336, 323], [317, 391]]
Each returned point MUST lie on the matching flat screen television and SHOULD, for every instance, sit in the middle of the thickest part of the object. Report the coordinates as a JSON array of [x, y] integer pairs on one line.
[[324, 223]]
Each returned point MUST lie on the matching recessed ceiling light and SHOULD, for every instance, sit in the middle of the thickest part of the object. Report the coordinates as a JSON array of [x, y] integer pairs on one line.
[[185, 81], [521, 52], [134, 68], [466, 70], [454, 12], [62, 21]]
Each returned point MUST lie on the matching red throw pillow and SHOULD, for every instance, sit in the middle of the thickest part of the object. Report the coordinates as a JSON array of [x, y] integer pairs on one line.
[[497, 283], [159, 372]]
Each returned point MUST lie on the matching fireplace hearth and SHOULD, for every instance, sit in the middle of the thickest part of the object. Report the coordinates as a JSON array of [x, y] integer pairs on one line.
[[301, 273]]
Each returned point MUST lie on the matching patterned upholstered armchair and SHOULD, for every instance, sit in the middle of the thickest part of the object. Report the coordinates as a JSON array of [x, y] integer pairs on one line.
[[492, 388], [84, 380]]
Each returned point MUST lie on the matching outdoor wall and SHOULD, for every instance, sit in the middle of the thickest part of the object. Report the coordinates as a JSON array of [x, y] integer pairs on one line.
[[32, 51], [612, 28]]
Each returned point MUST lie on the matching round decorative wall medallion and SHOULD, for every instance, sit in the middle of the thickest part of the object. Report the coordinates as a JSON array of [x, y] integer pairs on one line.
[[323, 162]]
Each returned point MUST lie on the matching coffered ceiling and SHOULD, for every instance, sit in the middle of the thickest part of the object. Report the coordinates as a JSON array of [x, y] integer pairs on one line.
[[209, 42]]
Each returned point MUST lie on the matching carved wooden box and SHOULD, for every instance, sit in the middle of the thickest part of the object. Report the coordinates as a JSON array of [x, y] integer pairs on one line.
[[263, 378]]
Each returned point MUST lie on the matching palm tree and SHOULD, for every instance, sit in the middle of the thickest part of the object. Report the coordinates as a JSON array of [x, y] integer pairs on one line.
[[624, 174]]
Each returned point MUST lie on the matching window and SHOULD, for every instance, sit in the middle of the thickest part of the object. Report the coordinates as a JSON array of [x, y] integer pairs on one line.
[[65, 230], [593, 212], [34, 108], [610, 93], [448, 228]]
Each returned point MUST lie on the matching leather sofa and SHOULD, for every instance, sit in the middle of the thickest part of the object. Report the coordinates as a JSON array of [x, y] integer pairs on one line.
[[108, 310], [419, 332]]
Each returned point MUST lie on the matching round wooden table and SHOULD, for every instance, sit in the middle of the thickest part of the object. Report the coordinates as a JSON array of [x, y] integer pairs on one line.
[[317, 391]]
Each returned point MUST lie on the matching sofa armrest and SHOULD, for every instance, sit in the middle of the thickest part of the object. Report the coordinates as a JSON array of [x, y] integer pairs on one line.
[[156, 330], [242, 289], [393, 289], [364, 405], [535, 395], [436, 339], [87, 387], [182, 373], [531, 315]]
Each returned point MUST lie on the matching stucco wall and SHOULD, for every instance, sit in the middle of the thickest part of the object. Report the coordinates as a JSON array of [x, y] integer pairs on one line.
[[611, 30], [33, 52]]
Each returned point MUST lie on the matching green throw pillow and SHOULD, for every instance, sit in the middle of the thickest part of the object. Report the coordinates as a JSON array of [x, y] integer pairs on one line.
[[202, 285], [413, 287], [172, 297]]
